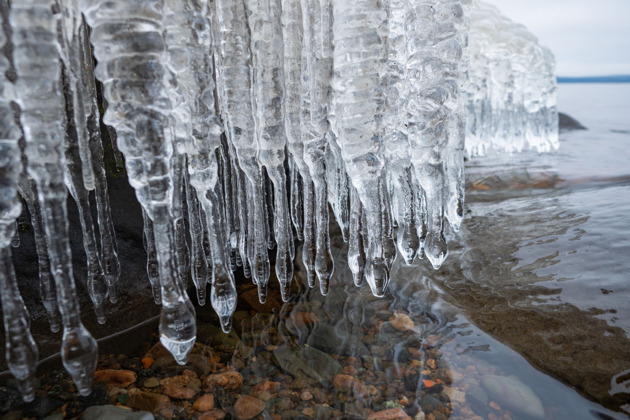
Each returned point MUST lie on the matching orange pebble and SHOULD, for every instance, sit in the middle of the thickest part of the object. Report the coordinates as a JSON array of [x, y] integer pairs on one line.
[[147, 362], [427, 383]]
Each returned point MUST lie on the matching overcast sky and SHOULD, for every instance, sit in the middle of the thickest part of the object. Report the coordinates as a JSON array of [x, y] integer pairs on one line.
[[588, 37]]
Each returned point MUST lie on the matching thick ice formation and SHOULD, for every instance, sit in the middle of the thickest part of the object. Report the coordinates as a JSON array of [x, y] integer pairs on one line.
[[362, 105], [512, 92]]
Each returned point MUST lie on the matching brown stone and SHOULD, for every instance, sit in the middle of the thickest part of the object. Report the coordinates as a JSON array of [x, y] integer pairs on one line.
[[178, 392], [402, 322], [147, 401], [247, 407], [302, 319], [229, 380], [204, 403], [212, 415], [265, 386], [250, 297], [391, 414], [119, 378], [343, 382]]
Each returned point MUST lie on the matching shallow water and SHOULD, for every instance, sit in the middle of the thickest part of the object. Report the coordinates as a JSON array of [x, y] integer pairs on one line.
[[535, 288]]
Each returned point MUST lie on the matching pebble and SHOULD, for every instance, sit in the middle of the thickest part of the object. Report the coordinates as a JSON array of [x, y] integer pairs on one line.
[[265, 396], [402, 322], [178, 392], [120, 378], [247, 407], [308, 411], [111, 412], [306, 396], [152, 382], [194, 384], [147, 401], [212, 415], [204, 403], [265, 386], [229, 380], [390, 414], [345, 382]]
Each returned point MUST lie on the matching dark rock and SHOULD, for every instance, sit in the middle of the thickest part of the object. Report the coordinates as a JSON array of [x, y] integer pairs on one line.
[[41, 407], [323, 412], [336, 340], [307, 363], [478, 399], [429, 403], [9, 400], [290, 415], [567, 123], [412, 382], [355, 410], [514, 395], [112, 412], [398, 354]]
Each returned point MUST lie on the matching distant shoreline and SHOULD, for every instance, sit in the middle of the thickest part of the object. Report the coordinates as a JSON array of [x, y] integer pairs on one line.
[[595, 79]]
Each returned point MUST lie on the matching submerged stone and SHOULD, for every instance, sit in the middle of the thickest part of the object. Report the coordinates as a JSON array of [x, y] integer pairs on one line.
[[514, 395], [307, 363], [111, 412]]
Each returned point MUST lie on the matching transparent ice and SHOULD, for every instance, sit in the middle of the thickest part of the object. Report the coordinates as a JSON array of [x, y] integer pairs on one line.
[[242, 125]]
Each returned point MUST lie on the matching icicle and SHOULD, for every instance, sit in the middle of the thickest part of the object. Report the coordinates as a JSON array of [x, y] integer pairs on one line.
[[198, 264], [235, 91], [358, 99], [309, 249], [292, 37], [40, 98], [20, 350], [47, 292], [264, 18], [148, 240], [356, 251], [15, 239], [139, 109], [95, 281], [317, 53], [73, 56]]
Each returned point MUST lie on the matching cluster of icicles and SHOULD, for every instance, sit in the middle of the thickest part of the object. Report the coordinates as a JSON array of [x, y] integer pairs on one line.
[[240, 122]]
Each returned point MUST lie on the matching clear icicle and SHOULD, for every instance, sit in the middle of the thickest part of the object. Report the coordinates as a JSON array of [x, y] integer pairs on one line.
[[40, 98], [28, 191], [20, 349], [359, 29], [317, 60], [72, 31], [235, 93], [139, 110], [198, 262], [292, 43], [148, 239], [15, 239], [356, 251], [264, 18], [95, 281]]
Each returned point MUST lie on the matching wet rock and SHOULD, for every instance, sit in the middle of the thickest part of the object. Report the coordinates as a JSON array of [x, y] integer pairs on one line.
[[178, 392], [223, 399], [194, 384], [343, 382], [478, 399], [513, 394], [152, 382], [204, 403], [250, 297], [247, 407], [391, 414], [147, 401], [290, 414], [402, 322], [323, 412], [355, 410], [9, 400], [336, 340], [567, 123], [41, 407], [212, 415], [120, 378], [398, 354], [14, 415], [212, 335], [307, 363], [269, 386], [196, 362], [111, 412], [429, 403], [229, 380]]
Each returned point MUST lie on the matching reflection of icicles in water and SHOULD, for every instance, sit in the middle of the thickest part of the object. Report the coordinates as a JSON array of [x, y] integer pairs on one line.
[[362, 101]]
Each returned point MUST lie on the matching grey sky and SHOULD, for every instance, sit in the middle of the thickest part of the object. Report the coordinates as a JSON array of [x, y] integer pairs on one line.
[[588, 37]]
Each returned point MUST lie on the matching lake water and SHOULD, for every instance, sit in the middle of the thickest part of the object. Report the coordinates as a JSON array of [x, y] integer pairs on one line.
[[528, 318]]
